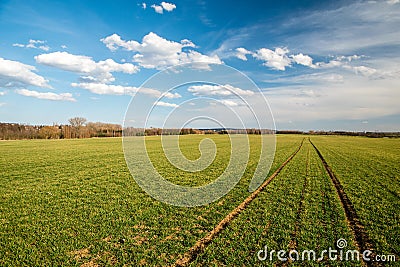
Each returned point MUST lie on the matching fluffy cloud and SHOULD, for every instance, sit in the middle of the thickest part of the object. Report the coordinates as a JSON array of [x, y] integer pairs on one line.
[[48, 95], [163, 6], [14, 73], [279, 59], [242, 52], [37, 44], [114, 41], [157, 9], [218, 90], [109, 89], [93, 71], [165, 104], [2, 93], [156, 52], [303, 60], [144, 6], [187, 43], [276, 59], [168, 6]]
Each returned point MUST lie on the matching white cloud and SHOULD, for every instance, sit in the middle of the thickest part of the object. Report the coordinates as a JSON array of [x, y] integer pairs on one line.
[[64, 47], [330, 64], [95, 71], [349, 58], [37, 44], [14, 73], [229, 103], [157, 52], [172, 95], [157, 9], [104, 89], [160, 8], [363, 70], [2, 93], [303, 60], [345, 63], [109, 89], [48, 95], [218, 90], [277, 59], [312, 78], [168, 6], [274, 59], [188, 43], [114, 41], [242, 52], [144, 6], [165, 104], [44, 47]]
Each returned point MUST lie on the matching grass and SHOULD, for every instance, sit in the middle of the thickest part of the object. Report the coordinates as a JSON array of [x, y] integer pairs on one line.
[[298, 210], [369, 171], [74, 202]]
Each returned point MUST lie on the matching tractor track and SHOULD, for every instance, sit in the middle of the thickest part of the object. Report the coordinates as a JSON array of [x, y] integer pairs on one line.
[[201, 244], [363, 241]]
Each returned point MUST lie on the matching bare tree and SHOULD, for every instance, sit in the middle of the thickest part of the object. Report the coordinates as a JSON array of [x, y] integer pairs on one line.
[[77, 123]]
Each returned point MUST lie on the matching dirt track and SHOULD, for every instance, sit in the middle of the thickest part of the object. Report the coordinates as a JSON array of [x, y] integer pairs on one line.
[[363, 242]]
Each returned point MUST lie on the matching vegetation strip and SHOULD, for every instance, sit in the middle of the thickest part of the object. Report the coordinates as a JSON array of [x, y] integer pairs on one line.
[[293, 241], [361, 237], [200, 245]]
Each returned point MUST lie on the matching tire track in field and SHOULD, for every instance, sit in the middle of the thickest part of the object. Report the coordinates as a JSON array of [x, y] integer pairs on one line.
[[363, 241], [384, 186], [201, 244]]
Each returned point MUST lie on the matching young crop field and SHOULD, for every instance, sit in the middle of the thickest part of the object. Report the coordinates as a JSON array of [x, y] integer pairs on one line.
[[75, 203]]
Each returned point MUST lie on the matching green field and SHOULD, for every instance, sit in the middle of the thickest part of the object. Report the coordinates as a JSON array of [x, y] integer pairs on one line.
[[74, 202]]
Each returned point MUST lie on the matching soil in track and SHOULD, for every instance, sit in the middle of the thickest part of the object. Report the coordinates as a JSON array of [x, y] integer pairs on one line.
[[362, 239], [320, 219]]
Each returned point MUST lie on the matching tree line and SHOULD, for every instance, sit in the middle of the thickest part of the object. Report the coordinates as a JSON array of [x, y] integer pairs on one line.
[[78, 127], [346, 133]]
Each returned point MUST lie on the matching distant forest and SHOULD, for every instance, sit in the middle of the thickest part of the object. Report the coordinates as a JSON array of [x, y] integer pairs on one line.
[[78, 127]]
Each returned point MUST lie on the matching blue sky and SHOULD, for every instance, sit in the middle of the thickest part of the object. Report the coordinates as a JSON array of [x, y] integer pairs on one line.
[[324, 65]]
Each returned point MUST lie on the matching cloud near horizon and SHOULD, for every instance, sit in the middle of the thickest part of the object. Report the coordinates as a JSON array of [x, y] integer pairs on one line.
[[47, 95]]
